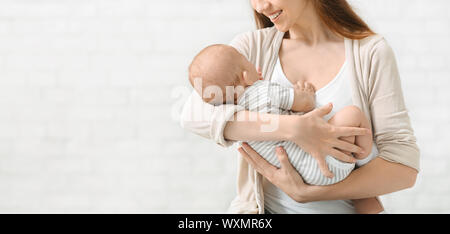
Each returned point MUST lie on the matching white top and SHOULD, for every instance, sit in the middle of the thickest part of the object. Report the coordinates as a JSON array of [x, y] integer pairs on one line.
[[338, 91]]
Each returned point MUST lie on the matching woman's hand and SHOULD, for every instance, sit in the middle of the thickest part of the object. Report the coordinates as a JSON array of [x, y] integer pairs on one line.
[[286, 178], [319, 138]]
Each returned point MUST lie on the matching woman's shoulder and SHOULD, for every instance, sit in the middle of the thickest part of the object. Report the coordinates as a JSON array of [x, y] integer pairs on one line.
[[258, 33], [375, 47], [255, 39]]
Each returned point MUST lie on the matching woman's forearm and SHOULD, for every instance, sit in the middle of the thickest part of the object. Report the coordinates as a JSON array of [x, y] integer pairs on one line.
[[254, 126], [376, 178]]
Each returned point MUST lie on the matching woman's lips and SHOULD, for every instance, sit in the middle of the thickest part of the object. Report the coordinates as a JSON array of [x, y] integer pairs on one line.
[[273, 17]]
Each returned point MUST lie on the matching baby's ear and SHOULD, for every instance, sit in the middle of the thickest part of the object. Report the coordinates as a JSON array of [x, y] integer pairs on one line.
[[245, 77]]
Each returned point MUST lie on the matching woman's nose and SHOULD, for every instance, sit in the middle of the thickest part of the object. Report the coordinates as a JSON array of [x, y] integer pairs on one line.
[[260, 5]]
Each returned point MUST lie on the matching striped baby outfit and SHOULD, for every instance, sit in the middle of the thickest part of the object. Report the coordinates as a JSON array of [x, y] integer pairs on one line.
[[269, 97]]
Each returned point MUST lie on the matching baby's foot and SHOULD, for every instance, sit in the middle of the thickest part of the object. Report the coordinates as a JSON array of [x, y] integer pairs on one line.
[[304, 97]]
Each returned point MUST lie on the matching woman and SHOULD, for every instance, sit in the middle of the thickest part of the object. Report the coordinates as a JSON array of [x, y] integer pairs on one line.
[[325, 43]]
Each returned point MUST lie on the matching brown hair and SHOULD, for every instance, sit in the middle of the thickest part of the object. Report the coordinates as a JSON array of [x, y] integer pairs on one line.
[[337, 15]]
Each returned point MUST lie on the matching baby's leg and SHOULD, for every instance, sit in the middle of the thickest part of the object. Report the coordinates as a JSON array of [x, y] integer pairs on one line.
[[352, 116]]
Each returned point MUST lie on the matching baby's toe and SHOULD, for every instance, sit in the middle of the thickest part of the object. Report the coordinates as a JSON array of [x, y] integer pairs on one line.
[[300, 85], [310, 87]]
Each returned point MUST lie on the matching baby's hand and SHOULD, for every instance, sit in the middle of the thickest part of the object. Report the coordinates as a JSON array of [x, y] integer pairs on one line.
[[304, 97]]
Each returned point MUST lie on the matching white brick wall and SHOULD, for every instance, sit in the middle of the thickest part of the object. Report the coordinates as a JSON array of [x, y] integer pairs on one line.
[[87, 91]]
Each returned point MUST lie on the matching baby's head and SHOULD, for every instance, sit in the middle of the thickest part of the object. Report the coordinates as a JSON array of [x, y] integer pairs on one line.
[[219, 73]]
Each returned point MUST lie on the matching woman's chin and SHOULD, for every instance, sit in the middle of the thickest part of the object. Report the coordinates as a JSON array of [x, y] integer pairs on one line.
[[281, 28]]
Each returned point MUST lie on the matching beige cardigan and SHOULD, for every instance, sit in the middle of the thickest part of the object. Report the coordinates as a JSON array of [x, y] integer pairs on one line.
[[376, 89]]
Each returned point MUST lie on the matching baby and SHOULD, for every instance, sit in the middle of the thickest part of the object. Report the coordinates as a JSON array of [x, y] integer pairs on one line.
[[220, 74]]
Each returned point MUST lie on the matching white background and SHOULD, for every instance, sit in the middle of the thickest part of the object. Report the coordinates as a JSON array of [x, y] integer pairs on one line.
[[87, 105]]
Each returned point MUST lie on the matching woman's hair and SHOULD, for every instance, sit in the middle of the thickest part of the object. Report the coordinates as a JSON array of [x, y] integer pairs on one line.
[[338, 15]]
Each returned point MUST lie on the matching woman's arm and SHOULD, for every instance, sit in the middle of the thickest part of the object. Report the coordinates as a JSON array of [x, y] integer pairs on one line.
[[394, 134], [310, 132], [364, 182], [229, 123], [207, 120], [248, 126]]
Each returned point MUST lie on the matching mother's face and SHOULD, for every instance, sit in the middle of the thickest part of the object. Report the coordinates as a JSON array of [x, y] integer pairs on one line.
[[283, 13]]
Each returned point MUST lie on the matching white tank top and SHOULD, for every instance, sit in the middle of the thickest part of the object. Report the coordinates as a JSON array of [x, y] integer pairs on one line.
[[338, 91]]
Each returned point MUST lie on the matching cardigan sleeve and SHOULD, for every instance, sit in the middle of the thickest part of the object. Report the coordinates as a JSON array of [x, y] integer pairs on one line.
[[390, 120], [207, 120]]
